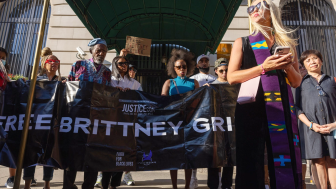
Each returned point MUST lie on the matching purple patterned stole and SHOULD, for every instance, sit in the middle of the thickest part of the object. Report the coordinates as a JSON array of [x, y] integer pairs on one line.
[[284, 137]]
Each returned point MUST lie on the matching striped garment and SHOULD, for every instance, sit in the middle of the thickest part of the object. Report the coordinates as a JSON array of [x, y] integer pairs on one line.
[[86, 70]]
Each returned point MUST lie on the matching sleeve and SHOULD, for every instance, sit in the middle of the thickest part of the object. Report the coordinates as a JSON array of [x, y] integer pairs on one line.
[[140, 88], [72, 74], [298, 101]]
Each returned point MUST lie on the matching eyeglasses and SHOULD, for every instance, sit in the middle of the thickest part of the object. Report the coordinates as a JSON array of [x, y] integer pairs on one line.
[[133, 69], [221, 71], [179, 67], [320, 90], [51, 61], [122, 63], [251, 9]]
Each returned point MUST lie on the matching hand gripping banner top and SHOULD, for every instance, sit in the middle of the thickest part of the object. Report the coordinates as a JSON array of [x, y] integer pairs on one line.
[[86, 126]]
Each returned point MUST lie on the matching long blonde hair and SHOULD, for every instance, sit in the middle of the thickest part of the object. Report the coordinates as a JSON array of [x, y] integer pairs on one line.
[[45, 54], [283, 36]]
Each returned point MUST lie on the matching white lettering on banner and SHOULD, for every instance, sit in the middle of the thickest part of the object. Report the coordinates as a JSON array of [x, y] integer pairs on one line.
[[200, 125], [82, 126], [205, 125], [229, 124], [137, 108], [108, 126], [21, 121], [2, 118], [125, 124], [216, 124], [65, 124], [10, 122], [175, 127], [145, 131], [40, 120], [156, 129]]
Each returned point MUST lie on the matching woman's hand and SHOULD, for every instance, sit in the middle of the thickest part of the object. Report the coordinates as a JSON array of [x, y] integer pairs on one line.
[[125, 89], [207, 84], [64, 81], [319, 129], [276, 62], [123, 52], [327, 128]]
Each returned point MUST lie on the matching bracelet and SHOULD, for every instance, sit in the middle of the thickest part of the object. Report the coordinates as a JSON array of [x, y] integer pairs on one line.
[[311, 125], [263, 70]]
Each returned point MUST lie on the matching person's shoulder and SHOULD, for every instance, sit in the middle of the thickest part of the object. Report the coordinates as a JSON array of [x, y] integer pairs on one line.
[[194, 76], [213, 77]]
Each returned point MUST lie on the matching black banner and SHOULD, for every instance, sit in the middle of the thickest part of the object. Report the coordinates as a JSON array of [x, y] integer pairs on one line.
[[87, 126]]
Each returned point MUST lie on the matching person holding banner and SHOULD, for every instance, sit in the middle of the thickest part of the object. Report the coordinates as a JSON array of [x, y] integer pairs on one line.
[[91, 70], [4, 68], [271, 117], [50, 64], [121, 80], [180, 67], [120, 75], [215, 178]]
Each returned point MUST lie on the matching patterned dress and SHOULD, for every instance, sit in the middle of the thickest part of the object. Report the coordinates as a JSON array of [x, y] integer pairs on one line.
[[87, 70]]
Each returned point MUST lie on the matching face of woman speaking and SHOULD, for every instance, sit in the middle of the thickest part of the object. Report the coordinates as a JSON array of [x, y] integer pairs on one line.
[[180, 68], [52, 66], [261, 16], [313, 64]]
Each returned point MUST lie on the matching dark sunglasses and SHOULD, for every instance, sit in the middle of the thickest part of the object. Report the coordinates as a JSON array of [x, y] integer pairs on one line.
[[122, 63], [221, 71], [320, 90], [251, 9], [179, 67], [133, 69]]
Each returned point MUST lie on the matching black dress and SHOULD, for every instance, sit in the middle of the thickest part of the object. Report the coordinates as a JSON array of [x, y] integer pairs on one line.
[[320, 110], [252, 130]]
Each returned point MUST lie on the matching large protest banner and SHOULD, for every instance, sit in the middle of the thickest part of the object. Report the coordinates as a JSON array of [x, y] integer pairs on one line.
[[87, 126]]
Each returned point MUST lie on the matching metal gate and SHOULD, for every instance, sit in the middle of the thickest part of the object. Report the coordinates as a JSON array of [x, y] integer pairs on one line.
[[152, 70], [19, 24], [315, 21]]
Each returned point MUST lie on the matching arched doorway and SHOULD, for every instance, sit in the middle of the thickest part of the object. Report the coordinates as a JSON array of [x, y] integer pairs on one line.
[[152, 70], [316, 23], [19, 24]]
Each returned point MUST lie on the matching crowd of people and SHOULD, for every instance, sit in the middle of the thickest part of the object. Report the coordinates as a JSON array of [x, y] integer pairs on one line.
[[314, 91]]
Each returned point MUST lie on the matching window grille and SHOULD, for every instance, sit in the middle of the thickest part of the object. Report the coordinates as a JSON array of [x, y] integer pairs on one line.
[[19, 25], [315, 21]]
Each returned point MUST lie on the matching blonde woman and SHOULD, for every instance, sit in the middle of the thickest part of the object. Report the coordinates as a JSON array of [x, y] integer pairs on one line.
[[270, 119], [50, 64]]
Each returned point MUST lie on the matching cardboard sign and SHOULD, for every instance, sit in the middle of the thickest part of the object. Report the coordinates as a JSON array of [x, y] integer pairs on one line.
[[138, 46]]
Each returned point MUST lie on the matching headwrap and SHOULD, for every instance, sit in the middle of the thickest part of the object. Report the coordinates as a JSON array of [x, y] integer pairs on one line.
[[96, 41]]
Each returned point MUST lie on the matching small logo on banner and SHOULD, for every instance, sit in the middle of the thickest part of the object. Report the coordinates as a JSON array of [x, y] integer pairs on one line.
[[277, 126], [135, 107], [282, 161], [147, 159], [296, 140]]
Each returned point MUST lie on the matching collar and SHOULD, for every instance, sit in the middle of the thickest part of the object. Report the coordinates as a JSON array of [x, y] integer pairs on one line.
[[322, 76]]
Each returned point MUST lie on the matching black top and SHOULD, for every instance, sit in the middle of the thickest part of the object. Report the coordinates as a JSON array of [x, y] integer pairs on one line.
[[320, 110], [255, 113]]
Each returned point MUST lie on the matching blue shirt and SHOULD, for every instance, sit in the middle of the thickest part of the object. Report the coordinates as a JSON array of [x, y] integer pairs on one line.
[[183, 84]]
